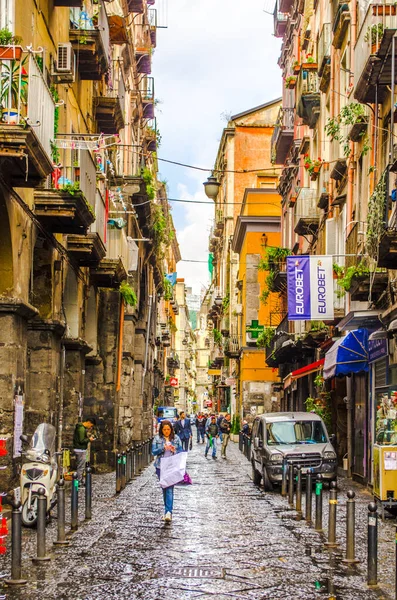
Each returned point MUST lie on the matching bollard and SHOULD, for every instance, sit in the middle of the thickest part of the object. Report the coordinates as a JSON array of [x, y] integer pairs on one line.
[[74, 522], [309, 492], [298, 506], [16, 546], [41, 525], [350, 529], [284, 478], [240, 441], [118, 473], [61, 539], [139, 457], [319, 504], [133, 460], [333, 501], [291, 484], [128, 466], [123, 469], [88, 493], [372, 562]]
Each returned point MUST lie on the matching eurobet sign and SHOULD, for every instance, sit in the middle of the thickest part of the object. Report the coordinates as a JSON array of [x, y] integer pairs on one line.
[[310, 285], [173, 381]]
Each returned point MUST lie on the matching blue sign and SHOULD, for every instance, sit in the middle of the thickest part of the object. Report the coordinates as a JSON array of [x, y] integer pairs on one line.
[[377, 349], [310, 288]]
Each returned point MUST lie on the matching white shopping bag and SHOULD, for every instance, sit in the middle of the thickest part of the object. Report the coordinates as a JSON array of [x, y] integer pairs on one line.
[[172, 469]]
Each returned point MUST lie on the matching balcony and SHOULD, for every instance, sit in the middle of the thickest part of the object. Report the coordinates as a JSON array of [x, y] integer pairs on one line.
[[372, 285], [87, 250], [143, 61], [285, 5], [341, 24], [71, 3], [109, 107], [282, 348], [307, 214], [27, 124], [283, 135], [152, 18], [324, 57], [308, 95], [280, 21], [232, 345], [147, 96], [127, 174], [90, 38], [68, 206], [150, 135], [112, 270], [373, 62], [388, 241], [118, 30], [279, 281]]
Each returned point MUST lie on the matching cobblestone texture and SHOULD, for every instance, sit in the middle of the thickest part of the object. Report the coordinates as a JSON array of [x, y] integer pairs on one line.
[[228, 539]]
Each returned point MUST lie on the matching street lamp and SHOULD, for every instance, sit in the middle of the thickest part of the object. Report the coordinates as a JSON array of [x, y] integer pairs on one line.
[[211, 187]]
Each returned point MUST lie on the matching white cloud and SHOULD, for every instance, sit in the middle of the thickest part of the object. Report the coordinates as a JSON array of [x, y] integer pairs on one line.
[[216, 56]]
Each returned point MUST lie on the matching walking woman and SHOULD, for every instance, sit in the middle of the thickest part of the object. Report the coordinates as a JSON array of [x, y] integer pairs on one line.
[[164, 444]]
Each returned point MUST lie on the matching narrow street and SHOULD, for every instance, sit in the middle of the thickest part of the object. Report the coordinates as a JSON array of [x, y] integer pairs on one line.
[[227, 540]]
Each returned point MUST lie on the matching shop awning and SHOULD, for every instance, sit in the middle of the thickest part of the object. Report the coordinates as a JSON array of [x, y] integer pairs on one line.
[[348, 355], [307, 370]]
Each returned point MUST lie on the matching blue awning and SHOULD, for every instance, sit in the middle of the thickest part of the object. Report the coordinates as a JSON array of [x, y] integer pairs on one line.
[[348, 355]]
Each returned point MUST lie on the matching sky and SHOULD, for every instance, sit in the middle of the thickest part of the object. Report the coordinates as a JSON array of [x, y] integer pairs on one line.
[[216, 58]]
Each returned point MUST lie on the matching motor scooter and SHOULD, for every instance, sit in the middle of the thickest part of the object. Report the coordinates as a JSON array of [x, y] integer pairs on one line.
[[39, 471]]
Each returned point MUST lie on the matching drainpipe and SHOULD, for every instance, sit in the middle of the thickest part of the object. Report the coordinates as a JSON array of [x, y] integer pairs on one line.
[[146, 350], [118, 376], [349, 406], [351, 168], [61, 393]]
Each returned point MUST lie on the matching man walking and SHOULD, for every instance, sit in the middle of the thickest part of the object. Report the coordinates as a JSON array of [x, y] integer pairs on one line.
[[200, 424], [81, 438], [212, 431], [225, 427], [183, 428]]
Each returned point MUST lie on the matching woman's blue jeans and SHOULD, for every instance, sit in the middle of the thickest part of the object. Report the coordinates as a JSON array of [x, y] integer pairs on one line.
[[168, 496]]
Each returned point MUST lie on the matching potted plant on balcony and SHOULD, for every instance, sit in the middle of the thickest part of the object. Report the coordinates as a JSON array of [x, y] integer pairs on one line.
[[290, 82], [10, 48], [313, 166], [296, 67], [374, 35], [13, 90]]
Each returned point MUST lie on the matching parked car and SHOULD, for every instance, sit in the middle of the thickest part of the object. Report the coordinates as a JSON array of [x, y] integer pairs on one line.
[[299, 437]]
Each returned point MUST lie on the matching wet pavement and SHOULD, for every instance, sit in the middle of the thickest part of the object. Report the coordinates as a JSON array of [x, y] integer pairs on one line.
[[228, 540]]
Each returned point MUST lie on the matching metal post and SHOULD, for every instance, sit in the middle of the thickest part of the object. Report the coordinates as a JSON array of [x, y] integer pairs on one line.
[[139, 457], [333, 501], [16, 546], [298, 506], [350, 529], [284, 479], [372, 576], [133, 460], [61, 540], [74, 522], [41, 525], [319, 504], [88, 493], [128, 466], [291, 484], [123, 469], [309, 491], [118, 473]]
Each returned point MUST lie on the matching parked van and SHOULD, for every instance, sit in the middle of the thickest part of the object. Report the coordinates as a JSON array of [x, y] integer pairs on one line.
[[299, 437]]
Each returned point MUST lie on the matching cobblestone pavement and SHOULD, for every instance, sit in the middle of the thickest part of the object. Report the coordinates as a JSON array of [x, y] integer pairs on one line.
[[228, 540]]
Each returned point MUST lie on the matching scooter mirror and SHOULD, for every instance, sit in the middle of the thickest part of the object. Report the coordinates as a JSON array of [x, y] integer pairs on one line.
[[24, 438]]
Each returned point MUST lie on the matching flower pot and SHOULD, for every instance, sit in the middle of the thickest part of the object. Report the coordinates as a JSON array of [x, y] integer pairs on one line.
[[296, 69], [11, 116], [10, 52]]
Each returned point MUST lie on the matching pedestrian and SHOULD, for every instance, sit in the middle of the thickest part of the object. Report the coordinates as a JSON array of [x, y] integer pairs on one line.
[[166, 443], [201, 429], [218, 422], [225, 428], [82, 436], [183, 429], [246, 428], [212, 432]]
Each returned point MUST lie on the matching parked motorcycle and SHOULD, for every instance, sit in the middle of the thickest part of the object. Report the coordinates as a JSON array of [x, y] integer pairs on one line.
[[39, 471]]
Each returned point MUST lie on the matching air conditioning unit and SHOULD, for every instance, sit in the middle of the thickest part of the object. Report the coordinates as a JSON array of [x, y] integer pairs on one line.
[[64, 67]]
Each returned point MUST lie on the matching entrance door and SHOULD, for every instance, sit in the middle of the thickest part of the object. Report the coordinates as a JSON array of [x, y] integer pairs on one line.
[[360, 425]]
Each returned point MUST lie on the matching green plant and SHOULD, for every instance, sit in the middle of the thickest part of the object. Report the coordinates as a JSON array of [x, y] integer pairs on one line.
[[272, 258], [345, 281], [172, 326], [312, 165], [9, 39], [318, 326], [290, 81], [55, 154], [71, 188], [236, 425], [321, 407], [265, 337], [217, 336], [374, 33], [168, 289], [226, 301], [128, 294], [349, 115], [150, 186], [319, 380], [13, 82], [376, 217]]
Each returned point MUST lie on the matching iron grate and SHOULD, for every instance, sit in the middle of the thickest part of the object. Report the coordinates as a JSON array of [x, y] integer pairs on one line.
[[196, 573]]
